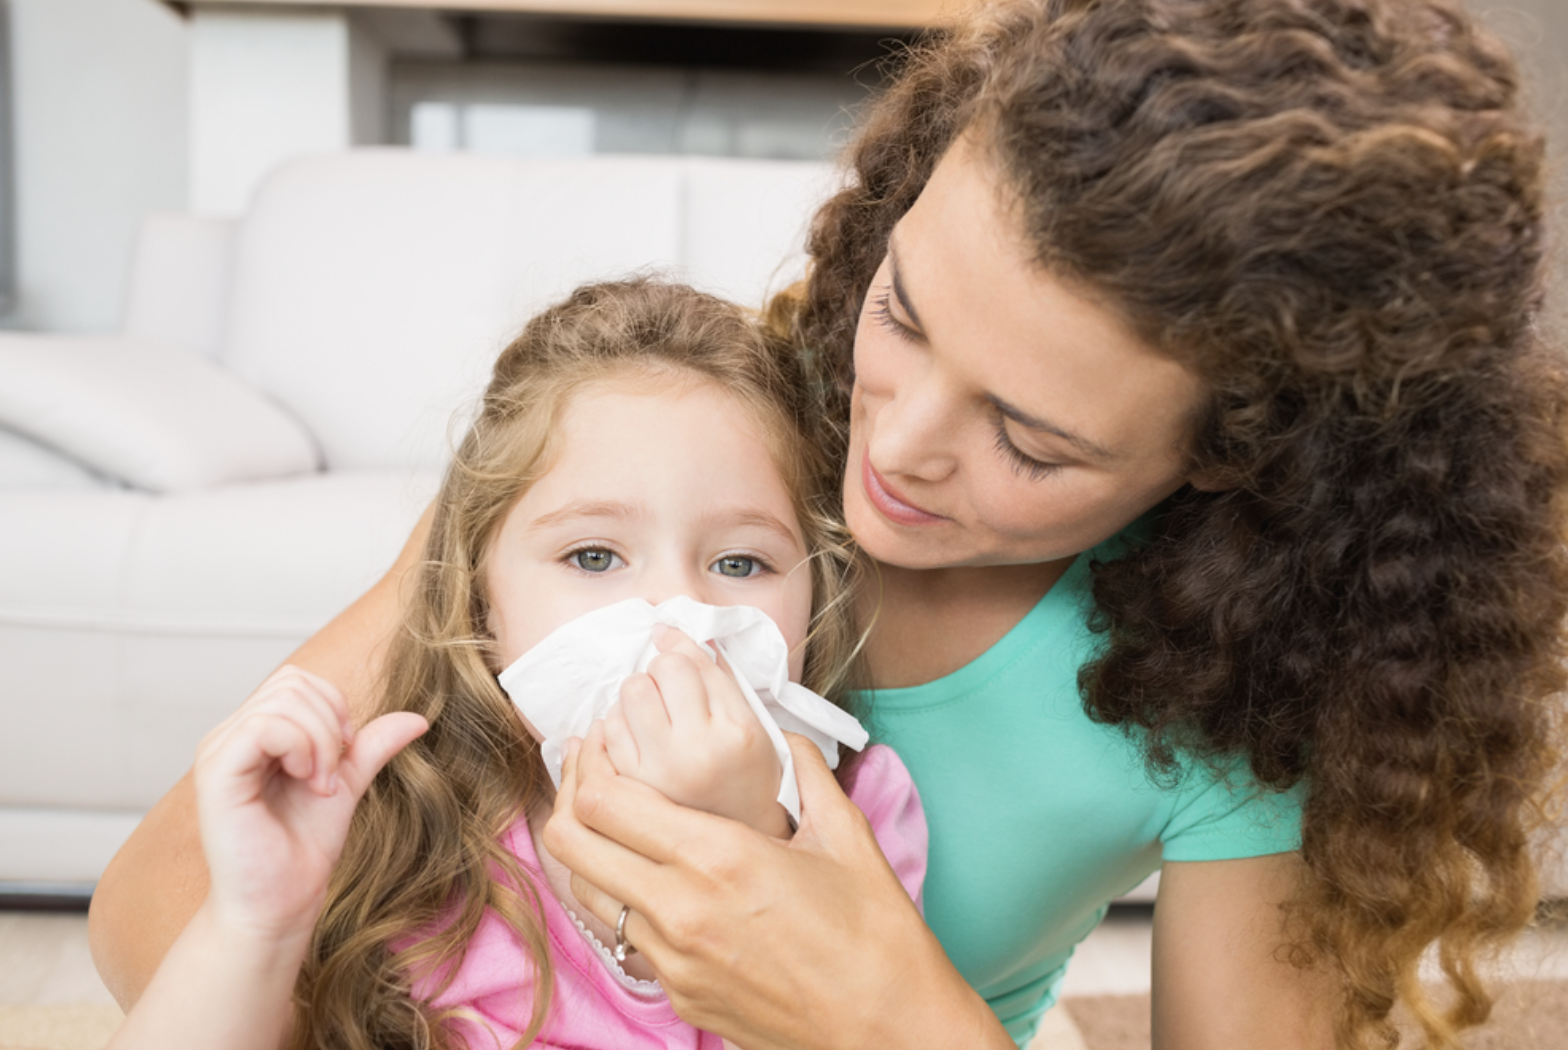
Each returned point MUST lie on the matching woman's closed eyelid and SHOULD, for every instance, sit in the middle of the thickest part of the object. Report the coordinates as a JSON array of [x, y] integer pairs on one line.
[[1021, 461], [882, 313]]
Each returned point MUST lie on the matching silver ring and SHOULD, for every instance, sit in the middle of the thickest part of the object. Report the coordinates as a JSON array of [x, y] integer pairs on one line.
[[622, 948]]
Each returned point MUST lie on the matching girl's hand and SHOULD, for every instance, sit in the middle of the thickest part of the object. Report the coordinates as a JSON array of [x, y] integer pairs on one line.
[[276, 785], [811, 943], [684, 729]]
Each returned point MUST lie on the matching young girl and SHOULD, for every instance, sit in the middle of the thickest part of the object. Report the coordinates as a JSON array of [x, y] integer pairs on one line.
[[639, 440]]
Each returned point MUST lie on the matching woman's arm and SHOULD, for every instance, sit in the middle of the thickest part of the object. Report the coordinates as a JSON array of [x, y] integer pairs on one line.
[[158, 879], [810, 944], [1222, 973]]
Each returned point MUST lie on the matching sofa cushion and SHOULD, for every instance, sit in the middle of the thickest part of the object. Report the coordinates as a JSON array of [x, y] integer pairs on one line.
[[130, 624], [150, 416]]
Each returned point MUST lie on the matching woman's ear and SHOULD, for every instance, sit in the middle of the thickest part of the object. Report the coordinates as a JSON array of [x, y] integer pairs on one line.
[[1211, 479]]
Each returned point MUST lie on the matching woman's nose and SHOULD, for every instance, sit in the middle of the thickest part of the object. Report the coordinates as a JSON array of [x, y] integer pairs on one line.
[[912, 430]]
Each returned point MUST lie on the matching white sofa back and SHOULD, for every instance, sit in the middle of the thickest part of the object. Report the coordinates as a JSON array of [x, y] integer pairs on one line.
[[371, 293]]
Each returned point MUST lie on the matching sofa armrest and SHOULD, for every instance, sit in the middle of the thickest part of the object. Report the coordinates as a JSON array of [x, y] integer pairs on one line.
[[140, 412]]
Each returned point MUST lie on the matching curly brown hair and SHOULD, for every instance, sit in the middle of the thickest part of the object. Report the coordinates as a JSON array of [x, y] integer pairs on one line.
[[1331, 211], [424, 858]]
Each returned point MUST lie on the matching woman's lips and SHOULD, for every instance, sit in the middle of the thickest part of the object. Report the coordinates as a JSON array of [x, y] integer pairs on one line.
[[891, 505]]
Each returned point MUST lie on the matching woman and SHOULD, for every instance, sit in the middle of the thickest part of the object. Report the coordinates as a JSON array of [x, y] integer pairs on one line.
[[1208, 325]]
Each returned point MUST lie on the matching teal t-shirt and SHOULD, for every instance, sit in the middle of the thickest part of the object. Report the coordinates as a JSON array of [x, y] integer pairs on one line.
[[1038, 816]]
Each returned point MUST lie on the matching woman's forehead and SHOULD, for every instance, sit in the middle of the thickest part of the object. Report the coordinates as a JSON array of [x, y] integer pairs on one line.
[[1039, 348]]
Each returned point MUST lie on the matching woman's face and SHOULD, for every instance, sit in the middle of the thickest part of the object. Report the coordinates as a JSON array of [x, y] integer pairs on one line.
[[999, 415]]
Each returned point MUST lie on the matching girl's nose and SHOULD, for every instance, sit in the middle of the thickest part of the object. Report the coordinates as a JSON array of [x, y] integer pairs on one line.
[[671, 578]]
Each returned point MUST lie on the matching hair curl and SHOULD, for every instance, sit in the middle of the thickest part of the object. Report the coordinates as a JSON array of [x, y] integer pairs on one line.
[[424, 859], [1331, 212]]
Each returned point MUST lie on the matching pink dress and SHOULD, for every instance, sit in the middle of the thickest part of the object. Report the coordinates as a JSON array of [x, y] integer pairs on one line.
[[597, 1008]]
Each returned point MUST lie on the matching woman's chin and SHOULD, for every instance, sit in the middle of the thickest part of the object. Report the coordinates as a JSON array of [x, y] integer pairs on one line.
[[900, 547]]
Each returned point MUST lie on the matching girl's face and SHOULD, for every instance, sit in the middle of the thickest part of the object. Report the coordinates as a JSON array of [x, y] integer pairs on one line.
[[669, 491], [999, 416]]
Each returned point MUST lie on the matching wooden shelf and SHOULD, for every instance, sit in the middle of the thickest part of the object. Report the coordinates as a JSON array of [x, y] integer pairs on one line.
[[860, 14]]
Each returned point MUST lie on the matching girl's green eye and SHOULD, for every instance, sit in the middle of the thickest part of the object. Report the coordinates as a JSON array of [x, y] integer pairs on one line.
[[736, 566], [594, 559]]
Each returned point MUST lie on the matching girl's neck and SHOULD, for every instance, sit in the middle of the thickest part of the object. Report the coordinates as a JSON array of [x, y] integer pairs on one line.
[[928, 623], [559, 880]]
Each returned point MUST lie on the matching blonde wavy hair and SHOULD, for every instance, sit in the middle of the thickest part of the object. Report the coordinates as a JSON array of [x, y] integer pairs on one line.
[[424, 860]]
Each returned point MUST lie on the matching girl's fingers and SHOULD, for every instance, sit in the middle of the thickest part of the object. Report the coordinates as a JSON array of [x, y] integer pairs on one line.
[[375, 746], [267, 741], [646, 714], [613, 817], [676, 672], [620, 740], [292, 694], [721, 694]]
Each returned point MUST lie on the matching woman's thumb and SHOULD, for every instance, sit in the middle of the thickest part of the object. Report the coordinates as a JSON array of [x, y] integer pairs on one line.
[[821, 798]]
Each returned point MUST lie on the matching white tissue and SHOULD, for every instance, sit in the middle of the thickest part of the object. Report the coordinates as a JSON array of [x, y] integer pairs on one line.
[[573, 677]]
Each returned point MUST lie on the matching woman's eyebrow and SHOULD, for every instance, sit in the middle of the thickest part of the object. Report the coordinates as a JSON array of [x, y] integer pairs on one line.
[[899, 291], [1091, 449]]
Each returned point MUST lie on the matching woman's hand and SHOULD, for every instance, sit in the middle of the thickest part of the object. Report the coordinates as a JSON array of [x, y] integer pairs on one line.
[[276, 786], [811, 943], [684, 729]]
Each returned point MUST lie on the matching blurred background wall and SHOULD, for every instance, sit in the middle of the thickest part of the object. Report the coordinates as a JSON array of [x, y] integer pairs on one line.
[[120, 107]]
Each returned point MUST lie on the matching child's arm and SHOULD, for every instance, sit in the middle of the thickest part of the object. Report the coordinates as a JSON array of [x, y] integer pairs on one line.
[[276, 786], [685, 729]]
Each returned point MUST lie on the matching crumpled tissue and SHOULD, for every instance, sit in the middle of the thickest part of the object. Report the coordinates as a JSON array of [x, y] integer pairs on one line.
[[573, 677]]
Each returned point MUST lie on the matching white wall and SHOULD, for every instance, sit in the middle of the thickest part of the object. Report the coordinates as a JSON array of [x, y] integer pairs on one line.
[[272, 83], [100, 104], [1537, 30]]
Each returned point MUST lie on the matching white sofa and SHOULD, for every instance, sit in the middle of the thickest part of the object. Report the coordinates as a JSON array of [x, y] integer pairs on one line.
[[184, 501]]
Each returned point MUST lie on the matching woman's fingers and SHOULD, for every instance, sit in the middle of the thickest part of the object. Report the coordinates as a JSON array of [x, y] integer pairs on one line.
[[823, 805], [626, 873]]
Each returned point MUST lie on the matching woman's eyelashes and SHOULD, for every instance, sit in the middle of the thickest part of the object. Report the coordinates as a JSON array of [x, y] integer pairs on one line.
[[882, 313], [1022, 463]]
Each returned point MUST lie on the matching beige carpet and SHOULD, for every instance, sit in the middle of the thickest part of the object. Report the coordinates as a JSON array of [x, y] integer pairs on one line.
[[1530, 1015], [72, 1027]]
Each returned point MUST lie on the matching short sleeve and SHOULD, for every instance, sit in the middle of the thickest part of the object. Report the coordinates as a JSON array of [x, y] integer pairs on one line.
[[885, 792], [1225, 814]]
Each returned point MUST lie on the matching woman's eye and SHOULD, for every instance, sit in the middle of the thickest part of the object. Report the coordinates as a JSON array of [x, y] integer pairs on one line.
[[594, 559], [737, 566]]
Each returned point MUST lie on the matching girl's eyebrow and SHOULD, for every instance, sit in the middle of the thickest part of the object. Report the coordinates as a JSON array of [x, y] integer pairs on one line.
[[585, 509], [899, 292], [755, 517]]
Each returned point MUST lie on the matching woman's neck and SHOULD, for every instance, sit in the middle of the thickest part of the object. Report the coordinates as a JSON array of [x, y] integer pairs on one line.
[[928, 623]]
